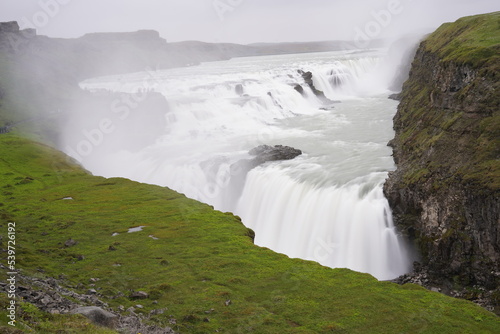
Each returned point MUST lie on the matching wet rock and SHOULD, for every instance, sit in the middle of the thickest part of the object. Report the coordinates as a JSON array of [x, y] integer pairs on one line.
[[239, 169], [239, 89], [265, 153], [299, 89], [308, 78]]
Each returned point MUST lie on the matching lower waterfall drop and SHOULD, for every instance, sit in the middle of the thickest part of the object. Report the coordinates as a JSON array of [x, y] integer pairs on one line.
[[341, 227]]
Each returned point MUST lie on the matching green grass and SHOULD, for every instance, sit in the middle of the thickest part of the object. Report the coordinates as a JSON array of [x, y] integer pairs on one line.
[[469, 40], [202, 258]]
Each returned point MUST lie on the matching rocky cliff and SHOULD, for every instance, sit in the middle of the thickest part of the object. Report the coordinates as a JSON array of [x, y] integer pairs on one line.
[[445, 191]]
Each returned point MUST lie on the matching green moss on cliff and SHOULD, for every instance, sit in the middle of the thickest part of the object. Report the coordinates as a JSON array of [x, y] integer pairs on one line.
[[472, 40], [449, 118], [445, 191]]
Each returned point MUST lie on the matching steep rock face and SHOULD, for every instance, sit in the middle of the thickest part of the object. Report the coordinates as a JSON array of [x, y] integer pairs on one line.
[[445, 191]]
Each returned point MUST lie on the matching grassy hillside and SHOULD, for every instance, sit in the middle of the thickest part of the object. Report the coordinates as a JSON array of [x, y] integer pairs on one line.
[[198, 261], [471, 40]]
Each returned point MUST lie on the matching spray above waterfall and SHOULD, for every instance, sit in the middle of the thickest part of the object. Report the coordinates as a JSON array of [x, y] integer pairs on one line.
[[325, 205]]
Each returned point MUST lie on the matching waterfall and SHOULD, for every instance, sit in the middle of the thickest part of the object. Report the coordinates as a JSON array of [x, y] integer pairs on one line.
[[327, 205], [342, 227]]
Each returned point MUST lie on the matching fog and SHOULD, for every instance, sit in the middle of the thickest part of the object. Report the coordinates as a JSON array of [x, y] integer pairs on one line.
[[240, 21]]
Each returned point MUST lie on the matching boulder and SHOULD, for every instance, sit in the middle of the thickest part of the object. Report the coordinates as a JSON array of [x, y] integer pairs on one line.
[[98, 316], [265, 153]]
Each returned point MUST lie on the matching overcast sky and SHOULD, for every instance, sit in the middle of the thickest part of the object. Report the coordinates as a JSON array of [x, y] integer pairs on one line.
[[241, 21]]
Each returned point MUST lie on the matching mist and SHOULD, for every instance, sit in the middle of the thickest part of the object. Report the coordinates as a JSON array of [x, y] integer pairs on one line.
[[240, 21]]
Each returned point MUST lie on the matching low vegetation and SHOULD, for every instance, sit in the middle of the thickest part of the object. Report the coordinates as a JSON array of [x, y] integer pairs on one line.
[[198, 263]]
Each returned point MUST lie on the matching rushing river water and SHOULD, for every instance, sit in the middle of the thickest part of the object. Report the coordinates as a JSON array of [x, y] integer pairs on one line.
[[326, 205]]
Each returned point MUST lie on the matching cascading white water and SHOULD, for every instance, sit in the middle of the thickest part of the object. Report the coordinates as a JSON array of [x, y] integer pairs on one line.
[[326, 205], [337, 226]]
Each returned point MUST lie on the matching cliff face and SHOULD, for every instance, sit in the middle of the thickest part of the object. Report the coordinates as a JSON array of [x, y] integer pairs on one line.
[[445, 191]]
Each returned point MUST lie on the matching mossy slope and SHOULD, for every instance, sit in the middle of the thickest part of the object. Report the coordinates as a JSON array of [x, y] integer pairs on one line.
[[200, 260]]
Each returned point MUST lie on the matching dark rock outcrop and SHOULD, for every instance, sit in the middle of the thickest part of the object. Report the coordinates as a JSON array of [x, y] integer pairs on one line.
[[299, 88], [308, 78], [240, 169], [445, 193], [265, 153]]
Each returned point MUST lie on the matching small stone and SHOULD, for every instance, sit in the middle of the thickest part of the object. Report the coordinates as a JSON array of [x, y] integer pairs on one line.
[[45, 300], [139, 306], [138, 295], [92, 291], [228, 302], [70, 243]]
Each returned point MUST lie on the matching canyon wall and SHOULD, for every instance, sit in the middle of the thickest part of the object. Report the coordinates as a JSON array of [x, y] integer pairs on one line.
[[445, 191]]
